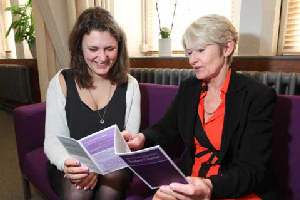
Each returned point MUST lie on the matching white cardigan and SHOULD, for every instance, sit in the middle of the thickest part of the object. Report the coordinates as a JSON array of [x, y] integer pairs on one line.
[[56, 122]]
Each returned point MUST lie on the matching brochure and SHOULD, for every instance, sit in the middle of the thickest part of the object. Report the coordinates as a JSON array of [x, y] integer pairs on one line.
[[96, 151], [106, 151]]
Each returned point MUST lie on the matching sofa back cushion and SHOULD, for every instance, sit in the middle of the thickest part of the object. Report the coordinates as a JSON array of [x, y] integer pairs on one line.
[[155, 100], [286, 150]]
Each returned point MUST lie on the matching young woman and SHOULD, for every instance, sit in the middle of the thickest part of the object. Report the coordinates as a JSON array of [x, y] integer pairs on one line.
[[94, 93]]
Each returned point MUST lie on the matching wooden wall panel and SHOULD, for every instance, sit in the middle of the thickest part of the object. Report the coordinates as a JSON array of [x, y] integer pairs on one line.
[[245, 63]]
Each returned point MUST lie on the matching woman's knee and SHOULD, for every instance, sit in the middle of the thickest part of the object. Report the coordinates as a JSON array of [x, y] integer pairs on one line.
[[121, 176], [78, 194]]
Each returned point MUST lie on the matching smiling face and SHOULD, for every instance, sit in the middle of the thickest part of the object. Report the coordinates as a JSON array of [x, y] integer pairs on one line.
[[100, 52], [220, 34], [207, 61]]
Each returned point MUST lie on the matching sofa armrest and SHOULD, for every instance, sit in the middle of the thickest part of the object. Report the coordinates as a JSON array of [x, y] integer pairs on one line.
[[29, 122]]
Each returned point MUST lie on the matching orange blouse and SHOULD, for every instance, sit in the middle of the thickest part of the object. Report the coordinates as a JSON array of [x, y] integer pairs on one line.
[[213, 129]]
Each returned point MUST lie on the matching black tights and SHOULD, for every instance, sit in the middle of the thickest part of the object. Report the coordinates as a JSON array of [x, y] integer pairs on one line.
[[111, 186]]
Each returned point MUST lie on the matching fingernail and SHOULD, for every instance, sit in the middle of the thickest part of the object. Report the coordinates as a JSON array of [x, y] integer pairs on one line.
[[162, 188], [85, 188], [173, 186], [78, 187]]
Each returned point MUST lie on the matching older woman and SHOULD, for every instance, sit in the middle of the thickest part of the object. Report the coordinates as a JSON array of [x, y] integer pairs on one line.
[[95, 93], [223, 118]]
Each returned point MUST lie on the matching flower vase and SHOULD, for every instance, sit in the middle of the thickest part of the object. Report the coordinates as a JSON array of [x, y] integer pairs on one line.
[[165, 47]]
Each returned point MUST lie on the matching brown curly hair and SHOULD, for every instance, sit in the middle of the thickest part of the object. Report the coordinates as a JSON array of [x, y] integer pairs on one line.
[[101, 20]]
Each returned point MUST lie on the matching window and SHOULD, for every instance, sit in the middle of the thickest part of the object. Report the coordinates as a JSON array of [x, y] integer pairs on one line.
[[289, 43], [6, 44], [8, 47], [186, 12]]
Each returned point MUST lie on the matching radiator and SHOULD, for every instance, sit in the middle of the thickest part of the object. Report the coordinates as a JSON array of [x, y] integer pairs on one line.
[[283, 83], [14, 85]]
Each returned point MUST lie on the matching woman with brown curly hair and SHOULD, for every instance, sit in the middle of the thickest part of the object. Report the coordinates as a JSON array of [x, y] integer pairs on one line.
[[94, 93]]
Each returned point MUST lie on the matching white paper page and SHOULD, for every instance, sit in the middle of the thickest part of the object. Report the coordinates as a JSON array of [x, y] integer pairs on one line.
[[120, 144], [100, 147], [76, 151]]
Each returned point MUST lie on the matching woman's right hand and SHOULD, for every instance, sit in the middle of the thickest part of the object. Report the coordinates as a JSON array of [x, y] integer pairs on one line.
[[74, 171], [134, 141], [89, 182]]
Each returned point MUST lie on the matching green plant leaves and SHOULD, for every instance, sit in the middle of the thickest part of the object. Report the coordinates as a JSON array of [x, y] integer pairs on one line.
[[165, 34], [23, 24]]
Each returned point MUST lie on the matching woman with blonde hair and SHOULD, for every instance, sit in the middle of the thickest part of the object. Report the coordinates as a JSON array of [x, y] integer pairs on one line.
[[223, 118]]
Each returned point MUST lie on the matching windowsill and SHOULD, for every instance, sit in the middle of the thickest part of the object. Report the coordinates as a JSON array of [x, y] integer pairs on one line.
[[173, 56], [182, 56]]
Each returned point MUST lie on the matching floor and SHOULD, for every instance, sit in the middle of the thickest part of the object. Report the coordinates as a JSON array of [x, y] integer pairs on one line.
[[10, 177]]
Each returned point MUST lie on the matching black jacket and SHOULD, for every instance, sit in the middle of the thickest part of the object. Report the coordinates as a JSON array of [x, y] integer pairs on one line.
[[246, 143]]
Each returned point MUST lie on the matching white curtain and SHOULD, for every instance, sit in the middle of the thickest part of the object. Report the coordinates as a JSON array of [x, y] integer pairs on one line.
[[106, 4], [4, 42]]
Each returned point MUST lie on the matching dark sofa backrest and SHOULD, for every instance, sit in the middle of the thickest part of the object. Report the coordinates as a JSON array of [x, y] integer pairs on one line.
[[286, 154], [155, 100]]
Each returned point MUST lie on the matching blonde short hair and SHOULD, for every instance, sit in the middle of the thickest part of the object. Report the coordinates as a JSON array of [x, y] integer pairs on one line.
[[210, 29]]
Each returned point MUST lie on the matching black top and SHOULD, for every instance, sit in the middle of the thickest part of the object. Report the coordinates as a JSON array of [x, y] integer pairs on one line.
[[82, 120]]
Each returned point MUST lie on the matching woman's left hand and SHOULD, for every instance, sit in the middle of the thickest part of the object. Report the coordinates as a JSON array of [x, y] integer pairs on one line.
[[197, 188], [89, 182]]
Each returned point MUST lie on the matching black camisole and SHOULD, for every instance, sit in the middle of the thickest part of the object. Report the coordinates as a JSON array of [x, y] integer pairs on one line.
[[82, 120]]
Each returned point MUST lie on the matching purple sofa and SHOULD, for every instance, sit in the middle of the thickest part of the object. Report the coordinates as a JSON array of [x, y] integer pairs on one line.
[[30, 121]]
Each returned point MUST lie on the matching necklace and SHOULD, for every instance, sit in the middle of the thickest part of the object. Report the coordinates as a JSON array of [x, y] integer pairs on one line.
[[210, 113], [214, 110], [102, 119]]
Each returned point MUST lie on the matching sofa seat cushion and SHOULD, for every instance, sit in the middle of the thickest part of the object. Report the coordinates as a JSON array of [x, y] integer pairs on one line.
[[35, 165]]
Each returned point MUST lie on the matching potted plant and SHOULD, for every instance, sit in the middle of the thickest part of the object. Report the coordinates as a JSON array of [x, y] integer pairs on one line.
[[164, 44], [23, 25]]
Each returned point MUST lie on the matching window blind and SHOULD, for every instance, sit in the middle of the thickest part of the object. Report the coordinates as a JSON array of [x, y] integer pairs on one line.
[[291, 28], [5, 21]]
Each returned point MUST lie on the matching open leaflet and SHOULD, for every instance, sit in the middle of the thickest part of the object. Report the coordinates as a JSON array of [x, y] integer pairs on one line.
[[106, 151]]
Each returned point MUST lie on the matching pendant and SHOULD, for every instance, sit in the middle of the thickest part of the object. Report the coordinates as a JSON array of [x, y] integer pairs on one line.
[[101, 121]]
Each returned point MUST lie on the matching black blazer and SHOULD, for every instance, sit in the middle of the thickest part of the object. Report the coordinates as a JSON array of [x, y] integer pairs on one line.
[[246, 143]]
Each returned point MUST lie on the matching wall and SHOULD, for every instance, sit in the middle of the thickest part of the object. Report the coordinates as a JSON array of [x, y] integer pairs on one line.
[[259, 22], [130, 19], [258, 27]]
